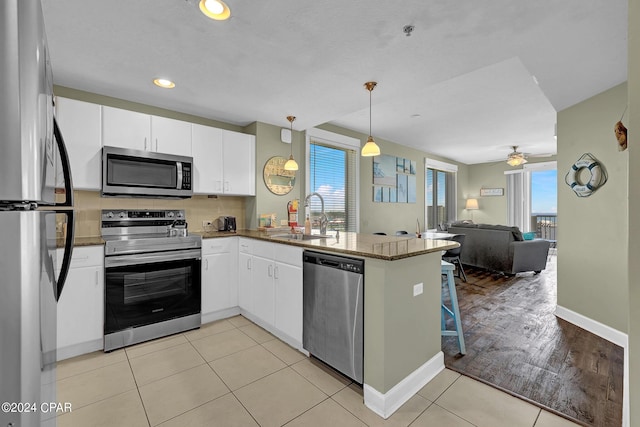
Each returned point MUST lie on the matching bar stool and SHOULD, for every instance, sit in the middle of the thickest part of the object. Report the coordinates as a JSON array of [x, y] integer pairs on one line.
[[447, 270]]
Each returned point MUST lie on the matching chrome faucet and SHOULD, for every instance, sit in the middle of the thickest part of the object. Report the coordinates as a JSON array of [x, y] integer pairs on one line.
[[323, 217]]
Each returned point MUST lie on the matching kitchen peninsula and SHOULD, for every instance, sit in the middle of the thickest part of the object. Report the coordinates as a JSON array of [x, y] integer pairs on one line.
[[259, 275], [401, 307]]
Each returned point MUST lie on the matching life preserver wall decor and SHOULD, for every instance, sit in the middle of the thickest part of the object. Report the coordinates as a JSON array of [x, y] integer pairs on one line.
[[596, 180]]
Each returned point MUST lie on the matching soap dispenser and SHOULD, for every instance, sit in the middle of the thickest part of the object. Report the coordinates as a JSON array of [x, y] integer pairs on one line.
[[307, 225]]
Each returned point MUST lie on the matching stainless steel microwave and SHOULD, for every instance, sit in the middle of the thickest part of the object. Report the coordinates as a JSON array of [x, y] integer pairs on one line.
[[137, 173]]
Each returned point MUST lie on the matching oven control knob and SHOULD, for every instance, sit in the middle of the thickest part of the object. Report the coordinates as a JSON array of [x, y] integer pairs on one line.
[[170, 214], [109, 215], [122, 215], [180, 215]]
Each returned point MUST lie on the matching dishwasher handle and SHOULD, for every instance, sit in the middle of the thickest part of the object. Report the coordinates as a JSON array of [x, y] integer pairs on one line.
[[329, 263], [353, 265]]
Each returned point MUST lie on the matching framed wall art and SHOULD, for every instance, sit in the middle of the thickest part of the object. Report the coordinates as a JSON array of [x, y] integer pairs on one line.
[[491, 192]]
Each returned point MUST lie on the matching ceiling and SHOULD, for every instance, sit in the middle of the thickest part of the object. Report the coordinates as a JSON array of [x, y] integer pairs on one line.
[[473, 79]]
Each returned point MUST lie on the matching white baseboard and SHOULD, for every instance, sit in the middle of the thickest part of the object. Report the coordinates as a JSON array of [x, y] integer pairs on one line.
[[593, 326], [220, 314], [79, 349], [609, 334], [386, 404]]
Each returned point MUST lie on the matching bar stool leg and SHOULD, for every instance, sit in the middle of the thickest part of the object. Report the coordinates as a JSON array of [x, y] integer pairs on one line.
[[454, 312]]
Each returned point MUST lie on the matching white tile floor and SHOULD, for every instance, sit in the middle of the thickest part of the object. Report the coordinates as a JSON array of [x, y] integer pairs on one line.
[[233, 373]]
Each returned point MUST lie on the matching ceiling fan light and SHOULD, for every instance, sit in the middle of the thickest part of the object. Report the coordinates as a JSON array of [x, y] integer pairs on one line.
[[370, 149], [516, 160], [291, 164], [215, 9]]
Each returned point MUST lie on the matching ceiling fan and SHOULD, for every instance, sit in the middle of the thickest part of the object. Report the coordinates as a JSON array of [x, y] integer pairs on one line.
[[516, 158]]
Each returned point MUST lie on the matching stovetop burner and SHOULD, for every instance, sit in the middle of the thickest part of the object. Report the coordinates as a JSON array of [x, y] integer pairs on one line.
[[141, 231]]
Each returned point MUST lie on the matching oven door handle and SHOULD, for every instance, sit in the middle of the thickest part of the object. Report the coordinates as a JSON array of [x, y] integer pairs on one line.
[[148, 258]]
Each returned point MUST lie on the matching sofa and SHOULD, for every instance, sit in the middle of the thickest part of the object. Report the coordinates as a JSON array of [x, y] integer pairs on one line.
[[500, 248]]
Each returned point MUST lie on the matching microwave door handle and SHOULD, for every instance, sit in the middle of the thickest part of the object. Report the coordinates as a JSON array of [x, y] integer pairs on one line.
[[68, 250], [66, 166], [179, 175]]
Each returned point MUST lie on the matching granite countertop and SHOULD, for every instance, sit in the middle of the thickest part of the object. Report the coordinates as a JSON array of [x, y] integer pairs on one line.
[[388, 248], [81, 241]]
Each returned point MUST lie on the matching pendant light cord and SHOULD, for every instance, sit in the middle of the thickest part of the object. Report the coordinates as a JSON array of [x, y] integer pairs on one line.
[[370, 111]]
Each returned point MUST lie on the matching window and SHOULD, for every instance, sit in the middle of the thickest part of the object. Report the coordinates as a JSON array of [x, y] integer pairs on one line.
[[333, 171], [440, 193], [532, 198]]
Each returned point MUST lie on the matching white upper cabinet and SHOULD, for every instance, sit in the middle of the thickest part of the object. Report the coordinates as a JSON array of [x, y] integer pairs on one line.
[[170, 136], [206, 145], [126, 129], [239, 154], [224, 161], [79, 124], [139, 131]]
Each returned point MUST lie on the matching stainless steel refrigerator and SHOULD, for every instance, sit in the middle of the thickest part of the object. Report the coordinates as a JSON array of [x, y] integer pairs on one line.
[[31, 155]]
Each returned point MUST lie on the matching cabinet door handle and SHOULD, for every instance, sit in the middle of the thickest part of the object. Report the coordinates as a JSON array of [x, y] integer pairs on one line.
[[226, 186], [206, 264], [270, 270], [275, 272], [156, 144], [145, 144], [97, 273], [248, 263]]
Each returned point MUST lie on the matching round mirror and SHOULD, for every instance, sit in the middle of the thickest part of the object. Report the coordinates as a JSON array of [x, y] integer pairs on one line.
[[278, 180]]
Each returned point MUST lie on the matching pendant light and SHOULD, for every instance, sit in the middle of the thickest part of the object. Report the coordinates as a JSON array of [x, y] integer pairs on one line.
[[370, 148], [291, 164]]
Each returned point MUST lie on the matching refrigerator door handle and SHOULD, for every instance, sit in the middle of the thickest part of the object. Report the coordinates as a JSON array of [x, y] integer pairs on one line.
[[66, 166], [68, 250]]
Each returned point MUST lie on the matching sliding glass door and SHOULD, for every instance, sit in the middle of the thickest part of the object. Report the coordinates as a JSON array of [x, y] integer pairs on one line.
[[440, 194], [532, 194]]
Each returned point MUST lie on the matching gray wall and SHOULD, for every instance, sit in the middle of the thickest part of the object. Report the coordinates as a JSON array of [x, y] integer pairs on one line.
[[492, 209], [390, 217], [402, 331], [269, 144], [592, 241], [633, 117]]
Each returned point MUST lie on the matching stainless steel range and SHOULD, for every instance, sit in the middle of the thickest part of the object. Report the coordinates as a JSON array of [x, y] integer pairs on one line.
[[152, 276]]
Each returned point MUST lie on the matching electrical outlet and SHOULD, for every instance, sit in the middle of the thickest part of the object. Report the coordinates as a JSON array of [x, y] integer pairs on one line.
[[284, 222], [206, 223], [417, 289]]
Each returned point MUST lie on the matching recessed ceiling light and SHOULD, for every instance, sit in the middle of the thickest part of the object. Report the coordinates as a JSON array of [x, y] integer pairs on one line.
[[164, 83], [414, 116], [215, 9]]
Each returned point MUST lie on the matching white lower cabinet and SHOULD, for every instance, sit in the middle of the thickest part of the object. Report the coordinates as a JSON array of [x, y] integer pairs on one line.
[[81, 304], [288, 299], [263, 289], [219, 276], [271, 289]]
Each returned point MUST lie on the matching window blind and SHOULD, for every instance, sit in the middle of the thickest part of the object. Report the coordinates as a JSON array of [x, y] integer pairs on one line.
[[332, 175]]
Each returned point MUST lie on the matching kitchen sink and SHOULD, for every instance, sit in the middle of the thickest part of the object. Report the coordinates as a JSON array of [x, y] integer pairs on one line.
[[300, 236]]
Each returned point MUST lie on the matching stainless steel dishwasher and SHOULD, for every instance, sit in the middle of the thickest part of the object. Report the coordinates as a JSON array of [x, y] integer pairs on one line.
[[333, 294]]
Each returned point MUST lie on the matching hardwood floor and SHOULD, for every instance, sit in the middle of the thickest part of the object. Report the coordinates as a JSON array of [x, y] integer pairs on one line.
[[516, 343]]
